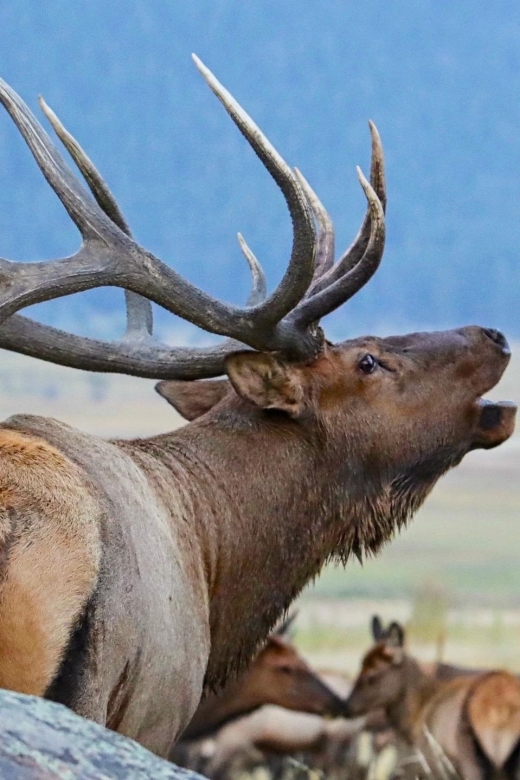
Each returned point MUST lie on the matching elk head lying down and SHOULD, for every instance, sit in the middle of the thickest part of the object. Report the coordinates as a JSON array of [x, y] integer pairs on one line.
[[184, 549], [278, 675]]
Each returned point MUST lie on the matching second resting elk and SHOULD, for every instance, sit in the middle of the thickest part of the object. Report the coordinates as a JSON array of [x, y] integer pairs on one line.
[[136, 572], [472, 719]]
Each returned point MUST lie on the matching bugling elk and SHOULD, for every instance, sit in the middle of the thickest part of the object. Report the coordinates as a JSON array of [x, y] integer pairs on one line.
[[473, 716], [135, 572]]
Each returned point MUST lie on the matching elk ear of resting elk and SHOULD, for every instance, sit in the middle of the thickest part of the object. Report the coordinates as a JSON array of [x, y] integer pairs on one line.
[[135, 571], [474, 718]]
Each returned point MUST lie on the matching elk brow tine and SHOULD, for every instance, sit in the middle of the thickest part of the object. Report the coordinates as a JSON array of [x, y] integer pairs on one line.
[[326, 239], [259, 288], [300, 270], [356, 250], [151, 360], [322, 303], [139, 314]]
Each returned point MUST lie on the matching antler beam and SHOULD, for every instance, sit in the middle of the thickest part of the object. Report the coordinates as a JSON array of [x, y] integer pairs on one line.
[[109, 256]]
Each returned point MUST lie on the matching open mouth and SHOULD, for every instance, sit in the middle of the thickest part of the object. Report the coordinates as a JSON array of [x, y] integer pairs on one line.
[[496, 422]]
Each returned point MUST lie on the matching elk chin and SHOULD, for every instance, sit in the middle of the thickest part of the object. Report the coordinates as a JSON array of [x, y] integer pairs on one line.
[[496, 423]]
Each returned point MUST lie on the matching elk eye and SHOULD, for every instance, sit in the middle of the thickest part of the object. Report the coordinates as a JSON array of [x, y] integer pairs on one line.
[[367, 364]]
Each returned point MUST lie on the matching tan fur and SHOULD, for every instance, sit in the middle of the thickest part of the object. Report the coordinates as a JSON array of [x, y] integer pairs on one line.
[[48, 518], [494, 714]]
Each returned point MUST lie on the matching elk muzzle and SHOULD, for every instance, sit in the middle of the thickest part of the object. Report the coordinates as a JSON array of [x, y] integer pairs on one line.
[[496, 423], [495, 419]]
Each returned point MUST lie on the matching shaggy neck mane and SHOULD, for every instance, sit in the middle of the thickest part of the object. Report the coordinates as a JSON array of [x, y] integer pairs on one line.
[[270, 505]]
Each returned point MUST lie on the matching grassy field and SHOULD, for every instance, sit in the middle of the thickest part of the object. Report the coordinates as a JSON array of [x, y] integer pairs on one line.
[[458, 561]]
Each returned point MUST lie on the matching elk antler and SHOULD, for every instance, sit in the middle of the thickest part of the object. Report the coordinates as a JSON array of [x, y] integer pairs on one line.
[[108, 256]]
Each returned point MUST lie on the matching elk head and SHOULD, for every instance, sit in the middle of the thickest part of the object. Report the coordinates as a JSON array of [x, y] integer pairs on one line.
[[385, 417], [279, 675], [381, 683]]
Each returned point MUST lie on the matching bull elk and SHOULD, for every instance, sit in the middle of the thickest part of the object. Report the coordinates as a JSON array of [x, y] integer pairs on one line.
[[277, 675], [135, 572], [474, 718]]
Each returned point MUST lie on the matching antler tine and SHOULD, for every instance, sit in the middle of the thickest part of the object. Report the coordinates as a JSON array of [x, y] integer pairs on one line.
[[139, 314], [325, 248], [377, 165], [259, 288], [97, 185], [80, 208], [315, 307], [110, 257], [355, 252], [300, 270]]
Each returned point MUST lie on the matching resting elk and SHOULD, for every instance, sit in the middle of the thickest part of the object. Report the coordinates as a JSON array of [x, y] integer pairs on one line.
[[136, 572], [475, 718], [277, 675]]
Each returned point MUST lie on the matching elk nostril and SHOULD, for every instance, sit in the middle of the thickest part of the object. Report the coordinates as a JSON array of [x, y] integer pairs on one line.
[[497, 337]]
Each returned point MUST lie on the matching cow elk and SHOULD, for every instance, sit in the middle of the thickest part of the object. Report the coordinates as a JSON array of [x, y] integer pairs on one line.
[[277, 675], [474, 719], [136, 572]]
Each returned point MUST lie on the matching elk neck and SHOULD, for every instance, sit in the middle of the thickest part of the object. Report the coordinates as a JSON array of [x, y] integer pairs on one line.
[[418, 688], [269, 505]]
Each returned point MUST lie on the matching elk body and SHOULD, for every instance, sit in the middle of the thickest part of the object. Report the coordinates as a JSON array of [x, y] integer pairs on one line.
[[276, 730], [475, 719], [133, 572], [277, 675]]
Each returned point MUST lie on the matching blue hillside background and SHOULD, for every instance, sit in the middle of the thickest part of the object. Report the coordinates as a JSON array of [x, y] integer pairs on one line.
[[442, 84]]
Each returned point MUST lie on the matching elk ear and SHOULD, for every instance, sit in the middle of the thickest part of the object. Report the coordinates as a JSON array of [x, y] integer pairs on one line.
[[276, 642], [283, 629], [377, 628], [193, 399], [395, 635], [266, 382]]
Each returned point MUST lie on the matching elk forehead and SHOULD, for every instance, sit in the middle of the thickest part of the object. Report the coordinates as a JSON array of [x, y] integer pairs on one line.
[[470, 359], [279, 653], [377, 658]]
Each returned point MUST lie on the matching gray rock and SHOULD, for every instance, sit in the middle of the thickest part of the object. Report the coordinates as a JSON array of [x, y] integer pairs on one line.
[[40, 740]]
